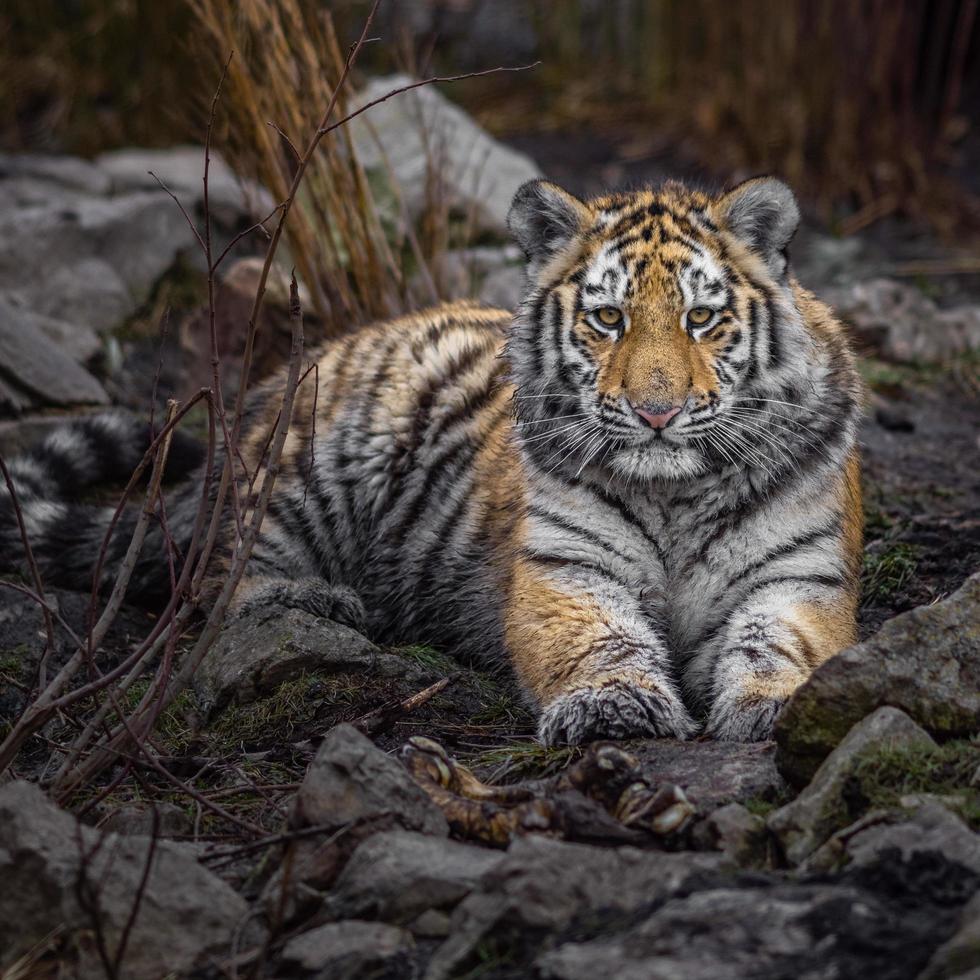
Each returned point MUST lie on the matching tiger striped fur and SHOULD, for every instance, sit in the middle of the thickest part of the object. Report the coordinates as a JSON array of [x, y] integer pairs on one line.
[[641, 490]]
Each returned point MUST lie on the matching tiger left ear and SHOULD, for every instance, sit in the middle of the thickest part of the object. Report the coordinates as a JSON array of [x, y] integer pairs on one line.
[[763, 213]]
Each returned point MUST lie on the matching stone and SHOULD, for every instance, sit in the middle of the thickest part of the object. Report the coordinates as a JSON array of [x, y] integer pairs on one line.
[[429, 132], [904, 324], [740, 835], [350, 950], [930, 829], [925, 662], [185, 913], [136, 820], [397, 876], [543, 885], [959, 957], [821, 808], [71, 172], [779, 931], [31, 361], [351, 781], [712, 773], [267, 647], [181, 168]]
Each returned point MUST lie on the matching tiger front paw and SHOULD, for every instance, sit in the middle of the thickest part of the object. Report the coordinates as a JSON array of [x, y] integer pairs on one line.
[[743, 718], [615, 709]]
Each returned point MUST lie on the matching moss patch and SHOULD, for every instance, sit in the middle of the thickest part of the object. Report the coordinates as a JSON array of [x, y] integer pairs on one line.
[[887, 572], [521, 760], [881, 779]]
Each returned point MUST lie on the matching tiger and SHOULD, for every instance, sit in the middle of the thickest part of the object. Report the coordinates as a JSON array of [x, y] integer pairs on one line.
[[640, 492]]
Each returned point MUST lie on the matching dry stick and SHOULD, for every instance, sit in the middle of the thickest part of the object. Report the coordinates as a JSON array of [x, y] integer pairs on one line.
[[104, 755], [174, 628], [47, 701], [35, 576]]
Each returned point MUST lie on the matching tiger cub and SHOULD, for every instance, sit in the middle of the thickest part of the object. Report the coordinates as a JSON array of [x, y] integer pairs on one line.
[[641, 490]]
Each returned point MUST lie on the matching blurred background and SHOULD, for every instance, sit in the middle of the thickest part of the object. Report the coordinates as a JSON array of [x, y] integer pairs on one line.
[[870, 109]]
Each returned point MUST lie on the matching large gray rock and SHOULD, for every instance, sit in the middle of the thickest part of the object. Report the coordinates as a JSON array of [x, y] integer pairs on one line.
[[60, 875], [931, 829], [813, 932], [349, 950], [821, 809], [420, 130], [34, 363], [959, 957], [542, 885], [350, 781], [903, 323], [396, 876], [926, 662], [265, 648], [712, 773]]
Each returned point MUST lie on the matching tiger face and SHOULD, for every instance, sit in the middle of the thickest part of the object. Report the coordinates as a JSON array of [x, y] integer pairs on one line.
[[657, 324]]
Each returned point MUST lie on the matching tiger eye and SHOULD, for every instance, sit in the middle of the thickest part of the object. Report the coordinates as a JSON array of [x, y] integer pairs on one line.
[[699, 316], [609, 316]]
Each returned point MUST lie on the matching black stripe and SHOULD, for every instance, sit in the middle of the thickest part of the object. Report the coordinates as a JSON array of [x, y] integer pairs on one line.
[[556, 561], [560, 521]]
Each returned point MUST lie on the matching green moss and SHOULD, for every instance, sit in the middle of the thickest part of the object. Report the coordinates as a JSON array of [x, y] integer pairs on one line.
[[881, 779], [523, 760], [292, 707], [887, 572], [428, 657]]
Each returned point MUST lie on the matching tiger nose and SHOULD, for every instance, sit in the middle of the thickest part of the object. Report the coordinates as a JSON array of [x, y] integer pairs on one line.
[[656, 416]]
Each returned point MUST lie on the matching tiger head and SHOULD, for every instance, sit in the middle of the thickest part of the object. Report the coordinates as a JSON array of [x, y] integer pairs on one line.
[[658, 328]]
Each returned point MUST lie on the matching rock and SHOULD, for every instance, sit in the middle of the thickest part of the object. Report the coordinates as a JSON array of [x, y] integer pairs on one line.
[[740, 835], [350, 781], [781, 931], [136, 820], [185, 912], [903, 323], [34, 363], [181, 168], [931, 829], [959, 958], [263, 649], [925, 662], [804, 824], [479, 174], [397, 876], [70, 172], [542, 885], [712, 773], [350, 950]]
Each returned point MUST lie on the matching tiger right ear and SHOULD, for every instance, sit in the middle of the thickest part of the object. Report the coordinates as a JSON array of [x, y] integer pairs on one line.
[[544, 218]]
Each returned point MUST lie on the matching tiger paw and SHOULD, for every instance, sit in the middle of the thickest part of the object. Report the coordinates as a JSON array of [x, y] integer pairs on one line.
[[735, 718], [338, 603], [614, 710]]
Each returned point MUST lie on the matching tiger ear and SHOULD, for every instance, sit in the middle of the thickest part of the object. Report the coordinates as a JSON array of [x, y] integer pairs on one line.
[[543, 219], [764, 214]]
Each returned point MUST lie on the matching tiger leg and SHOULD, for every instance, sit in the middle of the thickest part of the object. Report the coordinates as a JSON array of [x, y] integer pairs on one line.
[[768, 649], [587, 655], [283, 574]]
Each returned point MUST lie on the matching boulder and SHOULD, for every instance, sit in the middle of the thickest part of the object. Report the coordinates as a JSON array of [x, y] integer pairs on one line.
[[740, 835], [350, 781], [542, 886], [39, 367], [959, 957], [712, 773], [349, 950], [396, 876], [821, 809], [267, 647], [925, 662], [904, 324], [774, 931], [60, 875], [431, 134]]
